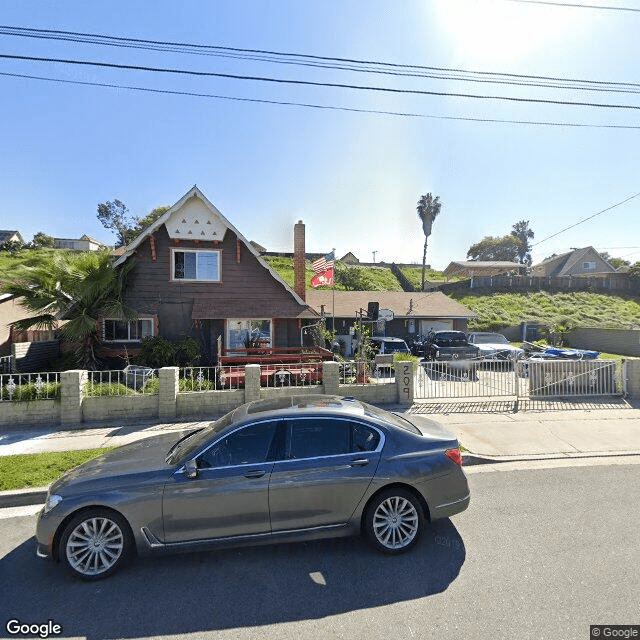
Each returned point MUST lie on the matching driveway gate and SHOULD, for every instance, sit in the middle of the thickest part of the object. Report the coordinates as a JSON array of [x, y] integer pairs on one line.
[[522, 379]]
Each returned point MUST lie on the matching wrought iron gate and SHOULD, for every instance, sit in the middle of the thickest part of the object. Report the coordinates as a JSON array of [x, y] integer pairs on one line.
[[522, 379]]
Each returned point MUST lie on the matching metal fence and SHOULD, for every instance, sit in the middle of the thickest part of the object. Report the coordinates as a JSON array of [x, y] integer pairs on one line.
[[293, 374], [198, 379], [522, 379], [6, 364], [125, 382], [25, 387]]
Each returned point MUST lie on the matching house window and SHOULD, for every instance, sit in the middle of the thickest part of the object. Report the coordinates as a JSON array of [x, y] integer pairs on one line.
[[588, 266], [196, 265], [128, 330], [242, 333]]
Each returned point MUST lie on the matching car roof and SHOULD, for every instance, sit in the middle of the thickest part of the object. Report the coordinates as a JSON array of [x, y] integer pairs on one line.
[[299, 405], [387, 339]]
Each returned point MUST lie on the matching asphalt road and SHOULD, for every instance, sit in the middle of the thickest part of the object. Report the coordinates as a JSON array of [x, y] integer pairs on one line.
[[541, 553]]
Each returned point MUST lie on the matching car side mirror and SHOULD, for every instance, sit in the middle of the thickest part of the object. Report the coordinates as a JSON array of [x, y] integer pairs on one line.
[[191, 469]]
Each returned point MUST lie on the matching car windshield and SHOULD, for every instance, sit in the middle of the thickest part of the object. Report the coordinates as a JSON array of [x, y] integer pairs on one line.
[[394, 347], [181, 450], [489, 338]]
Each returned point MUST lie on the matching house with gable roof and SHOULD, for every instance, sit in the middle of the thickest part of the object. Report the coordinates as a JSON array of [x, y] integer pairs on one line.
[[195, 275], [579, 262]]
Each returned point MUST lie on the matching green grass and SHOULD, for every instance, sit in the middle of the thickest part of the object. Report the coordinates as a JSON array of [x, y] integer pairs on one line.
[[573, 309], [370, 278], [14, 267], [40, 469], [414, 275]]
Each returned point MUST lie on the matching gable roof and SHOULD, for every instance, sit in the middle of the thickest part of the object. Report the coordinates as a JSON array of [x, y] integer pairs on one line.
[[194, 192], [486, 267], [434, 304], [566, 262], [6, 235]]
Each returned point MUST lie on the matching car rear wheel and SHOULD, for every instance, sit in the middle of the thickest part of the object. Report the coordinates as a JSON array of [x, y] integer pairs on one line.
[[394, 521], [95, 543]]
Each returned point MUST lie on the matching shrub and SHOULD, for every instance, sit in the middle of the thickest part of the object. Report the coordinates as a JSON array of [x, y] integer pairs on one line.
[[108, 389], [29, 392]]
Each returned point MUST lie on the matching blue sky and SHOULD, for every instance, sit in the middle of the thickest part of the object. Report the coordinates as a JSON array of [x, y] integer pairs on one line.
[[353, 178]]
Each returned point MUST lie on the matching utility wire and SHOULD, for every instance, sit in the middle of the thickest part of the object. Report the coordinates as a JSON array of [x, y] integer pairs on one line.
[[613, 206], [335, 85], [325, 62], [320, 106], [575, 5]]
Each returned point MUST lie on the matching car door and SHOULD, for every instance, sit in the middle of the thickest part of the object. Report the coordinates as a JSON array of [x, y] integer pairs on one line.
[[230, 495], [328, 465]]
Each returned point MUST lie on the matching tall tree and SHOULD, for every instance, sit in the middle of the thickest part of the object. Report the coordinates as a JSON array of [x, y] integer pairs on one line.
[[115, 216], [428, 209], [77, 287], [522, 231], [506, 249]]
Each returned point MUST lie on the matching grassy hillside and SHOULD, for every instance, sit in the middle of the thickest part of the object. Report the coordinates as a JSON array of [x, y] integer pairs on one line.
[[367, 278], [12, 267], [576, 309], [414, 275]]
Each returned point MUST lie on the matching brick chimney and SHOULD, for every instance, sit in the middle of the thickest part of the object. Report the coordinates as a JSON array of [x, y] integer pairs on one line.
[[299, 284]]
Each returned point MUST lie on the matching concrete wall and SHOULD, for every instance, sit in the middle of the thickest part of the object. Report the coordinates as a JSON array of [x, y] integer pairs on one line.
[[622, 341], [74, 408]]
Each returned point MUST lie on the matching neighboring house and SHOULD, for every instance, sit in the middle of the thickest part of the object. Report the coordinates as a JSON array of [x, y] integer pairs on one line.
[[195, 275], [10, 236], [413, 312], [579, 262], [84, 243], [477, 268], [349, 258]]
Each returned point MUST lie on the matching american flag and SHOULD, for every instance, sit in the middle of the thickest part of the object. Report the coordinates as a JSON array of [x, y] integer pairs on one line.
[[324, 263]]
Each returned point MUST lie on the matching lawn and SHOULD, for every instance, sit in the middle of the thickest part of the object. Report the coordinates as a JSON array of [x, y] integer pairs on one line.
[[40, 469]]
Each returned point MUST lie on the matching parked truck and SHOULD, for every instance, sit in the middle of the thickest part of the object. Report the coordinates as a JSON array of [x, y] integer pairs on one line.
[[450, 350]]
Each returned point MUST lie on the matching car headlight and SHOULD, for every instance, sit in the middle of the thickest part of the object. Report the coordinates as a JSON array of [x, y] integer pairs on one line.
[[51, 502]]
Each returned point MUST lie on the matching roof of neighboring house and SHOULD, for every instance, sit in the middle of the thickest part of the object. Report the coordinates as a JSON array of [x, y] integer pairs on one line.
[[403, 304], [8, 235], [194, 192], [487, 267], [565, 262], [258, 247]]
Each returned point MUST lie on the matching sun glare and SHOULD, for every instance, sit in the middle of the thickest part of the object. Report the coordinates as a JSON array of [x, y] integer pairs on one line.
[[496, 31]]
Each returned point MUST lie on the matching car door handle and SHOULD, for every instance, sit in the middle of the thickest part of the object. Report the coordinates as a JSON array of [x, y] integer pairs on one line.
[[359, 462], [258, 473]]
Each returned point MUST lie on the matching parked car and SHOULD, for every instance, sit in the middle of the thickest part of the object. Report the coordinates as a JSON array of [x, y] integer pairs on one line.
[[451, 350], [385, 346], [494, 346], [282, 469]]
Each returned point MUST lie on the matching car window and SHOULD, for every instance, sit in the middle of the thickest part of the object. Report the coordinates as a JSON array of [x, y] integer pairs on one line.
[[317, 437], [248, 445], [313, 437], [364, 438]]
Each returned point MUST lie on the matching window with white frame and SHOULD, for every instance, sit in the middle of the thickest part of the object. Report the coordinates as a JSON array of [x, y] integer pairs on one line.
[[128, 330], [589, 266], [196, 265]]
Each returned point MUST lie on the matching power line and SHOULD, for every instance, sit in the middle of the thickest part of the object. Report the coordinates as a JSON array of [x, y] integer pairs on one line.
[[575, 5], [325, 62], [320, 106], [613, 206], [335, 85]]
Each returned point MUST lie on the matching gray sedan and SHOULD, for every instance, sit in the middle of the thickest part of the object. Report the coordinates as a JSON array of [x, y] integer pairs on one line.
[[293, 468]]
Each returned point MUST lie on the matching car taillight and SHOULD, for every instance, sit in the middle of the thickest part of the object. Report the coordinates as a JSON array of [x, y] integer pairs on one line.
[[455, 455]]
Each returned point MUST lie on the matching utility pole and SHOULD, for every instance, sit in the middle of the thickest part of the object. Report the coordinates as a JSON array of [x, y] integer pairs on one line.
[[374, 255]]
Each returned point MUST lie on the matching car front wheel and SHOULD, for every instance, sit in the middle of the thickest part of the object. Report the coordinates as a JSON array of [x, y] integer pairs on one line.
[[394, 521], [95, 543]]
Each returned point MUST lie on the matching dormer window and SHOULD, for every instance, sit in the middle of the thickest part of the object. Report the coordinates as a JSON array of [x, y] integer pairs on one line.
[[196, 266]]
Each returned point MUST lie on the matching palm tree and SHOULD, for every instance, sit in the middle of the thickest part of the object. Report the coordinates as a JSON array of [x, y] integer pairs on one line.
[[77, 287], [428, 210]]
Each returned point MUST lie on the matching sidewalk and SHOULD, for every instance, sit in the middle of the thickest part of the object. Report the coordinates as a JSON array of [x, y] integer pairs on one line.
[[489, 433]]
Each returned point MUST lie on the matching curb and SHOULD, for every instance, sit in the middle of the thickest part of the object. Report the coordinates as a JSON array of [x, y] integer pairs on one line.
[[23, 497], [471, 459]]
